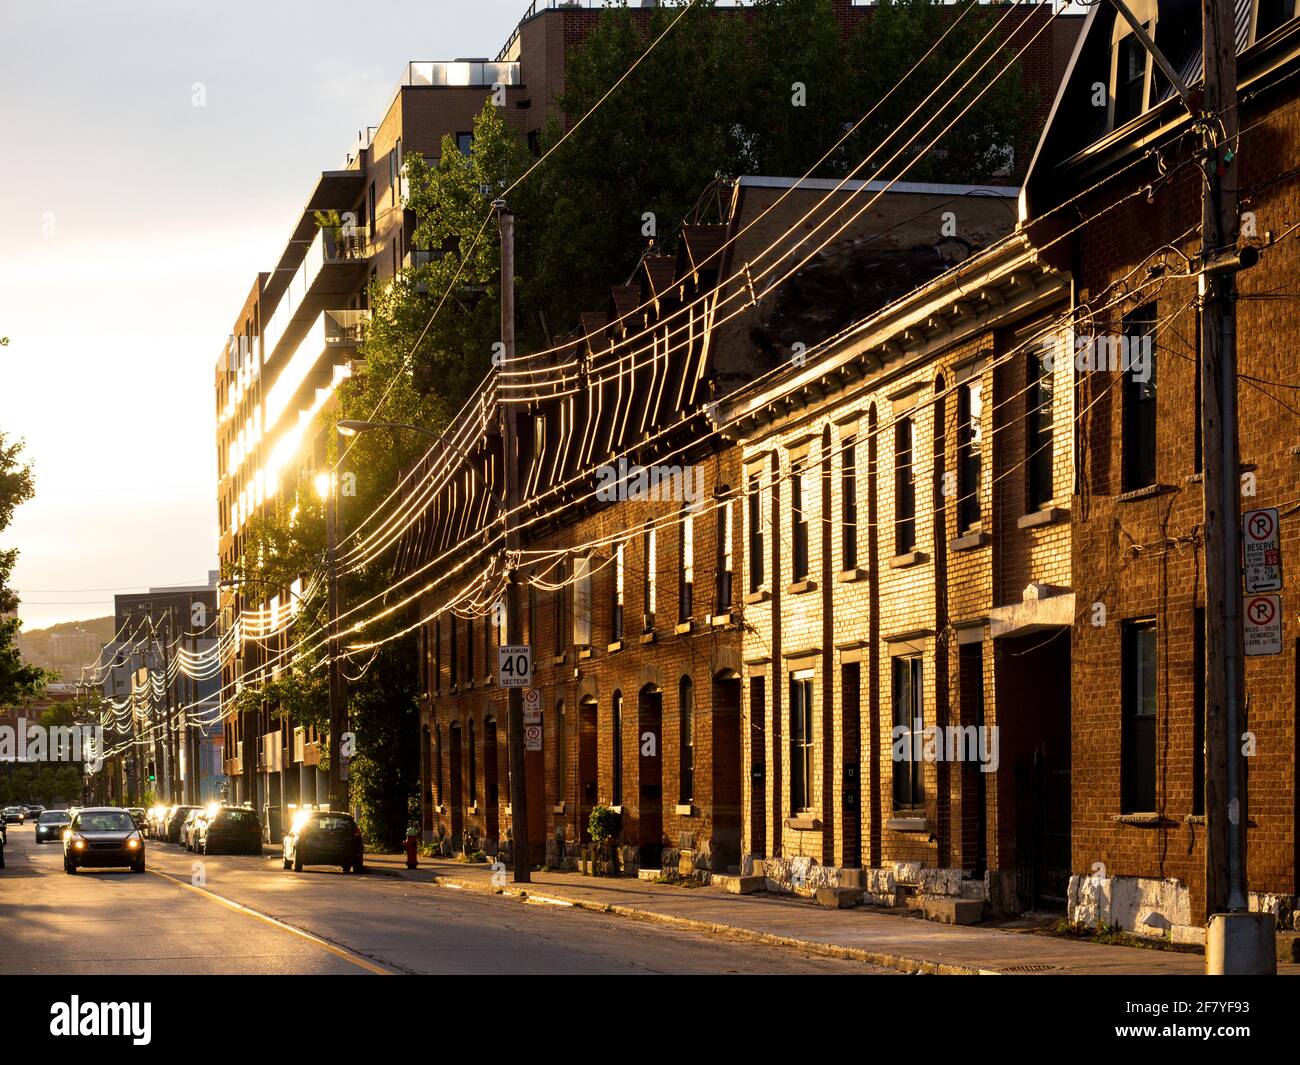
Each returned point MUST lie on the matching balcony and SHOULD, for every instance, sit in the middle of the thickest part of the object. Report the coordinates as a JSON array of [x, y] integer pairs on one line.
[[345, 329], [311, 367], [459, 73], [335, 265]]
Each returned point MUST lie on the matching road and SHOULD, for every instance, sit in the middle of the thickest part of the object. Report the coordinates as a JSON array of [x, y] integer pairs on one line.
[[240, 914]]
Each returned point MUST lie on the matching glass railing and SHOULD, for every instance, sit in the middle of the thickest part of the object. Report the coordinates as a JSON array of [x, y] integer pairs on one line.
[[333, 244], [346, 328], [460, 73]]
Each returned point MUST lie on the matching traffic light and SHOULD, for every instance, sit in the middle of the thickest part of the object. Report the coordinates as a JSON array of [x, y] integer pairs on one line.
[[152, 775]]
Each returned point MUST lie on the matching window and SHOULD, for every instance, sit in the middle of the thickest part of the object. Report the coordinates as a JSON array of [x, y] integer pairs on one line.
[[437, 762], [557, 606], [473, 765], [686, 692], [437, 655], [1039, 440], [1198, 711], [1130, 78], [1270, 14], [370, 210], [465, 143], [616, 750], [488, 625], [616, 605], [686, 566], [1138, 759], [648, 580], [798, 521], [561, 753], [904, 487], [970, 438], [469, 650], [801, 741], [849, 505], [582, 602], [1138, 367], [455, 656], [909, 720], [499, 614], [724, 560], [754, 496]]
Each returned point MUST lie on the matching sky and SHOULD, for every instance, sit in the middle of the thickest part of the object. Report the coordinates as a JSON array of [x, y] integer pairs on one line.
[[155, 156]]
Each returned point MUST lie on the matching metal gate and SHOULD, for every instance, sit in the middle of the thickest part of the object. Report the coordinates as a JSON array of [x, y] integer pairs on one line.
[[1042, 833]]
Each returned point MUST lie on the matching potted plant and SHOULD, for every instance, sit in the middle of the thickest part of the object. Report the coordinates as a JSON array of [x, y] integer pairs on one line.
[[603, 826]]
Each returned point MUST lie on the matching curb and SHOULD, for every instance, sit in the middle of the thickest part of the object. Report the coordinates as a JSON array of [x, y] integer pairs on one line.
[[901, 962]]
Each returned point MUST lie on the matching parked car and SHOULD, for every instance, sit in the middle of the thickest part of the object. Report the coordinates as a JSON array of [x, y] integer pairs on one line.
[[232, 829], [103, 837], [190, 827], [140, 817], [176, 821], [13, 815], [155, 820], [50, 826], [324, 837]]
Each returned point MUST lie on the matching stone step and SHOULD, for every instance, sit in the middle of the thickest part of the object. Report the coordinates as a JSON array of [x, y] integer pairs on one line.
[[953, 911], [839, 898]]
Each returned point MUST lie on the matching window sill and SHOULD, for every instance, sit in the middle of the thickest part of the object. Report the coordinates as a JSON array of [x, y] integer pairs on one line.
[[684, 628], [615, 647], [468, 686], [799, 587], [559, 660], [909, 558], [804, 823], [647, 637], [616, 809], [559, 809], [1143, 820], [684, 809], [584, 653], [472, 808], [1046, 516], [719, 620], [848, 576], [1145, 492], [757, 597], [969, 541], [908, 824]]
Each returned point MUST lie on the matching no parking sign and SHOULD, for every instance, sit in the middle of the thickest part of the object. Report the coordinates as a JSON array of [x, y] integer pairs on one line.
[[1262, 624]]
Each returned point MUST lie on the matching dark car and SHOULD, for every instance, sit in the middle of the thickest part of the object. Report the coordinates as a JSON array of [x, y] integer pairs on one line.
[[103, 836], [13, 815], [50, 826], [324, 837], [176, 821], [232, 830]]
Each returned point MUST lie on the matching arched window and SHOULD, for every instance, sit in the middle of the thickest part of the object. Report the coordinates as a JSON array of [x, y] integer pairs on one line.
[[686, 703]]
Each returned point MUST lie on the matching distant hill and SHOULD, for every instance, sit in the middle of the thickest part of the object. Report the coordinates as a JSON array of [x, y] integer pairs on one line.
[[66, 647]]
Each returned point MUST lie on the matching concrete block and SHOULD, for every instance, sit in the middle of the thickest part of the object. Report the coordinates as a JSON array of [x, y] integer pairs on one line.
[[838, 898], [739, 885], [1187, 934], [953, 911], [1288, 947]]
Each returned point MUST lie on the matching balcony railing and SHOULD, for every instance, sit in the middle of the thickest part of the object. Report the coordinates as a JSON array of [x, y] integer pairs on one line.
[[464, 73], [345, 328], [333, 244]]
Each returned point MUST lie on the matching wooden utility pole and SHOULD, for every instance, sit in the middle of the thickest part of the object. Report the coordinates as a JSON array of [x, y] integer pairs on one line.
[[1225, 800], [514, 626], [338, 717]]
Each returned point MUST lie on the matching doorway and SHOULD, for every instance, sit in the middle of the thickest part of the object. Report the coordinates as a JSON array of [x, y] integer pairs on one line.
[[588, 771], [725, 766], [457, 799], [650, 809], [491, 788]]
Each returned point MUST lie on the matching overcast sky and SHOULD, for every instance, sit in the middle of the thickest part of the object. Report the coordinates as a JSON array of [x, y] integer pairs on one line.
[[135, 223]]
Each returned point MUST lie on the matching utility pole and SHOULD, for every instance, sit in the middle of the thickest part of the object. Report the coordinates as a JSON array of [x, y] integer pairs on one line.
[[1236, 941], [338, 719], [514, 627]]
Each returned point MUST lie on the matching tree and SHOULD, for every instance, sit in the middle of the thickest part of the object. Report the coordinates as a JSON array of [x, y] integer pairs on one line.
[[18, 679]]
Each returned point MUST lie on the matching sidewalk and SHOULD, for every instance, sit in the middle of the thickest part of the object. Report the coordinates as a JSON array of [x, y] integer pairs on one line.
[[907, 943]]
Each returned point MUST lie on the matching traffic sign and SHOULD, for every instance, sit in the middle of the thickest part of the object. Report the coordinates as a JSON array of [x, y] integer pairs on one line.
[[1261, 547], [1262, 624], [532, 706], [515, 666], [533, 737]]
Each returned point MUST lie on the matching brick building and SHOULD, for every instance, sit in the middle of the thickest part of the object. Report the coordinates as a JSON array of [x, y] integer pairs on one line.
[[1121, 161], [908, 575], [635, 610]]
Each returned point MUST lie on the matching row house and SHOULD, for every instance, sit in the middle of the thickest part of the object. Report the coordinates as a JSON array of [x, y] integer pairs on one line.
[[909, 595], [636, 606], [1114, 197]]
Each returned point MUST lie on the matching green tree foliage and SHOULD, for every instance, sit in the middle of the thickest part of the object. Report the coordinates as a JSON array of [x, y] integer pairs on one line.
[[18, 679]]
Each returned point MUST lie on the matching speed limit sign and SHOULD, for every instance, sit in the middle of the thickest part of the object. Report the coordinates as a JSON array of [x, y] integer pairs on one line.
[[515, 666]]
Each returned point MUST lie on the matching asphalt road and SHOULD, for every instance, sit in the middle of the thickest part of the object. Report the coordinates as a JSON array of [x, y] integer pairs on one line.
[[191, 914]]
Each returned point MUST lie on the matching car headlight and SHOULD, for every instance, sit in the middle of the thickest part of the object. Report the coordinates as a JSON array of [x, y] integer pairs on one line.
[[78, 843]]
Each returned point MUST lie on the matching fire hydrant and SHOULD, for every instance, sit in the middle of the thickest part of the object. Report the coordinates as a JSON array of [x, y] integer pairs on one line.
[[410, 846]]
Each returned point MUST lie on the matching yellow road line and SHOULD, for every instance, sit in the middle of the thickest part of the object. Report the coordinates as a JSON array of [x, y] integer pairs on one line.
[[346, 955]]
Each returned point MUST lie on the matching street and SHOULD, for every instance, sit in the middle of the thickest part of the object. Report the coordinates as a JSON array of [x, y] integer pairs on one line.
[[250, 916]]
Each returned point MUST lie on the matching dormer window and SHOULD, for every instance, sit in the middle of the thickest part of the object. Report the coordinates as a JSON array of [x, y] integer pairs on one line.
[[1269, 15], [1130, 79]]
